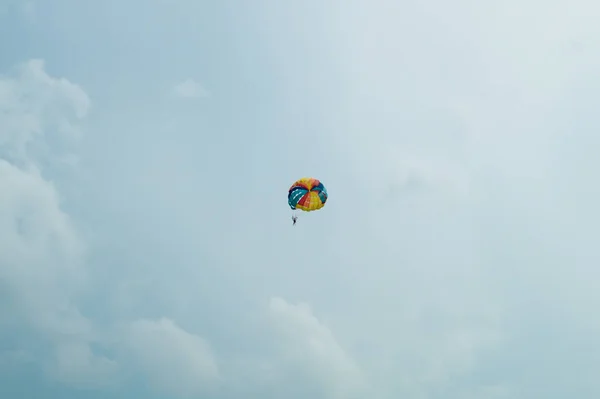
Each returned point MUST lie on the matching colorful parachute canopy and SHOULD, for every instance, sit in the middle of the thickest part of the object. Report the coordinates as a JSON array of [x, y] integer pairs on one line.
[[307, 194]]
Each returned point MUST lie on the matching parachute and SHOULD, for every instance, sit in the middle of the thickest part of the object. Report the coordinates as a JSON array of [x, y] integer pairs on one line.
[[307, 194]]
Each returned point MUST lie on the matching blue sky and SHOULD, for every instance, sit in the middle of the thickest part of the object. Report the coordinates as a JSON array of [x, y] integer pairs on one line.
[[146, 245]]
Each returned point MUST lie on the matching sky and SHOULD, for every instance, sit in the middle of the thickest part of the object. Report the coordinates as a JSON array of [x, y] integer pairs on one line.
[[147, 248]]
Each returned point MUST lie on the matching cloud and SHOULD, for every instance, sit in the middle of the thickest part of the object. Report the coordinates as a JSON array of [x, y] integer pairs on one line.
[[190, 89], [459, 130], [75, 364], [40, 115], [146, 248], [42, 256], [35, 107], [306, 343], [175, 361]]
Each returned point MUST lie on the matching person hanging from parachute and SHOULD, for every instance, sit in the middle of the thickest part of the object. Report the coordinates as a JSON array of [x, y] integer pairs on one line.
[[307, 194]]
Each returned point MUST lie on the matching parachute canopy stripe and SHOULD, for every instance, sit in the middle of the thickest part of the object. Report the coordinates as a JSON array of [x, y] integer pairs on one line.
[[307, 194]]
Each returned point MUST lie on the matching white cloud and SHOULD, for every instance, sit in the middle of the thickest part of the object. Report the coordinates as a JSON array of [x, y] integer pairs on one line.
[[41, 253], [40, 246], [175, 361], [74, 363], [461, 126], [455, 258], [43, 256], [307, 343], [190, 89], [39, 114]]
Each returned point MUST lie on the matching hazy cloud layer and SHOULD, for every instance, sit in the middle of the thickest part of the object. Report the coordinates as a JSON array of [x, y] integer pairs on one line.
[[146, 248]]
